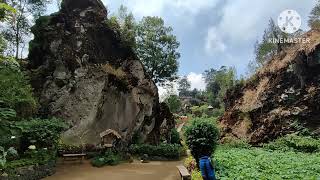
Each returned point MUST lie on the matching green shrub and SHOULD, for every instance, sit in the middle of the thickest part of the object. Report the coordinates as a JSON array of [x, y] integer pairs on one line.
[[175, 137], [109, 158], [42, 133], [236, 143], [98, 162], [294, 142], [196, 175], [259, 163], [15, 90], [201, 137], [190, 163], [171, 151]]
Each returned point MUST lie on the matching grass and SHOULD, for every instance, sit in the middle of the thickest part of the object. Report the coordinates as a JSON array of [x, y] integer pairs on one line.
[[259, 163]]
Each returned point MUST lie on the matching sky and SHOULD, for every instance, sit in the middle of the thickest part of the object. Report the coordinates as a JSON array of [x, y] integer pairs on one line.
[[213, 33]]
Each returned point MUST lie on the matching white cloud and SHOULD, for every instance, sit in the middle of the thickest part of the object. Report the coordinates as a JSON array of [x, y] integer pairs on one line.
[[197, 81], [160, 7], [214, 42], [243, 21]]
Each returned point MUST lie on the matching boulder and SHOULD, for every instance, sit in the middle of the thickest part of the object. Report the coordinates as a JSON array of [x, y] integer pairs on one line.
[[84, 73]]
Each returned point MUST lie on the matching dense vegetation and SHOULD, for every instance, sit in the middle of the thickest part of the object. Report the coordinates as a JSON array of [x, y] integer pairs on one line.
[[24, 138], [257, 163], [169, 151], [290, 157]]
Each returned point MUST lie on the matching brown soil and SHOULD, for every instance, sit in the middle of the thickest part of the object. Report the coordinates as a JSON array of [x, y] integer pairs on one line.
[[128, 171]]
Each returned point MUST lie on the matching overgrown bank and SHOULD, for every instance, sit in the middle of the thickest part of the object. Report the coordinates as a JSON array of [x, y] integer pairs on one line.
[[289, 157]]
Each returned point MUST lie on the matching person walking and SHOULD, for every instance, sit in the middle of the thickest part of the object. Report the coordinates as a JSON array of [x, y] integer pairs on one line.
[[206, 168]]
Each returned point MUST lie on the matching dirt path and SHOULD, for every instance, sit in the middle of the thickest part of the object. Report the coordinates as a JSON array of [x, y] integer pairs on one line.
[[134, 171]]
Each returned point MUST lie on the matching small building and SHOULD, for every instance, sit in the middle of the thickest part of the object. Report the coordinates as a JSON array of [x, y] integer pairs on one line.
[[210, 108], [109, 138]]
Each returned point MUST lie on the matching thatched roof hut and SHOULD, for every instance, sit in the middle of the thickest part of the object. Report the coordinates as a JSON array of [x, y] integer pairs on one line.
[[109, 137]]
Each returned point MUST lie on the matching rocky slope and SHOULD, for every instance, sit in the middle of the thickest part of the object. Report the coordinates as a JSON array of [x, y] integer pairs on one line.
[[281, 98], [83, 71]]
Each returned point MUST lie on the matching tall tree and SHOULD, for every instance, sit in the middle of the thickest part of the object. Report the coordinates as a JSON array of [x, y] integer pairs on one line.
[[157, 49], [6, 14], [174, 103], [17, 30], [314, 18], [127, 24], [184, 86], [218, 82]]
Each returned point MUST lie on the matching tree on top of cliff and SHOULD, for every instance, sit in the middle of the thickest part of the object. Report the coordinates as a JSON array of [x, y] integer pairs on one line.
[[314, 18], [264, 49], [153, 42], [157, 49]]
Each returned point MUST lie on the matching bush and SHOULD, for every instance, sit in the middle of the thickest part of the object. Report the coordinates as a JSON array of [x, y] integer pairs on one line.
[[201, 137], [15, 90], [42, 133], [236, 143], [109, 158], [175, 137], [196, 175], [294, 142], [171, 151], [190, 163], [258, 163]]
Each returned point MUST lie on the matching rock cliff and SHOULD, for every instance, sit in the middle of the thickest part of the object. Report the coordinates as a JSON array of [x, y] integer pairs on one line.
[[82, 71], [282, 97]]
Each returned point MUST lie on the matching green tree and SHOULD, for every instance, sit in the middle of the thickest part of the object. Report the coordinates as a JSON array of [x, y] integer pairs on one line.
[[6, 14], [174, 103], [218, 82], [314, 18], [18, 29], [15, 90], [157, 49], [184, 86], [127, 25], [265, 49]]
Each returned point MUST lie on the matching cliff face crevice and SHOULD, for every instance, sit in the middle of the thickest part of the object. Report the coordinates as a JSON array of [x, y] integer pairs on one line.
[[280, 98], [82, 72]]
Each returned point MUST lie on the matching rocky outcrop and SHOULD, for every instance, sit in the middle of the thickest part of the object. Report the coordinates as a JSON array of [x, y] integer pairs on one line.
[[83, 72], [283, 97]]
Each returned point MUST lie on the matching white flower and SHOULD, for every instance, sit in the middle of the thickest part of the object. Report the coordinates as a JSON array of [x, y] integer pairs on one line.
[[13, 137], [32, 147], [45, 148]]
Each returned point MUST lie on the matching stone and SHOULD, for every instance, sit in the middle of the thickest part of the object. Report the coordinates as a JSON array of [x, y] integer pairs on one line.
[[82, 91]]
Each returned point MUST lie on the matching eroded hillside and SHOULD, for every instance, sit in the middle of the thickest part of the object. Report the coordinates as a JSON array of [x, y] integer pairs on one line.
[[281, 98]]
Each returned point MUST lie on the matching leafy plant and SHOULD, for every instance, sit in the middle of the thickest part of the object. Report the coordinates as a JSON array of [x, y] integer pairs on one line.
[[109, 158], [190, 163], [15, 90], [3, 155], [236, 143], [201, 137], [40, 132], [175, 137], [294, 142], [171, 151], [258, 163]]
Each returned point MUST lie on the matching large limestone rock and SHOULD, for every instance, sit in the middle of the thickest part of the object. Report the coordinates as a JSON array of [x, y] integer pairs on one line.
[[282, 98], [84, 73]]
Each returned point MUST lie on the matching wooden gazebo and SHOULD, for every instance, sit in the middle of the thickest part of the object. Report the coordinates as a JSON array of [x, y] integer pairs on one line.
[[109, 137]]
